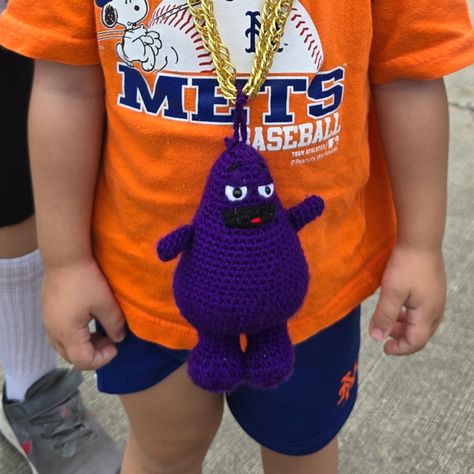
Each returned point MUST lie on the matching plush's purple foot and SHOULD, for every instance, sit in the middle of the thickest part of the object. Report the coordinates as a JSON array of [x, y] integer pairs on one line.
[[269, 357], [217, 364]]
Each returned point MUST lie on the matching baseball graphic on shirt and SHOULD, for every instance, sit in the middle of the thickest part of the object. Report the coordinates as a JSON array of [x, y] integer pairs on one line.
[[182, 49]]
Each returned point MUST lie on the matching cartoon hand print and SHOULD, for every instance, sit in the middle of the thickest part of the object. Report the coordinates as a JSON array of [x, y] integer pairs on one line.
[[138, 44]]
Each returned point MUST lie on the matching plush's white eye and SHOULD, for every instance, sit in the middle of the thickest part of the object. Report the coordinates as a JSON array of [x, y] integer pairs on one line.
[[267, 190], [235, 194]]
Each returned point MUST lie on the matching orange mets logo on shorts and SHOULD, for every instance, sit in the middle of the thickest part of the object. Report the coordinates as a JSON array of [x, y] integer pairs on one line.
[[347, 382]]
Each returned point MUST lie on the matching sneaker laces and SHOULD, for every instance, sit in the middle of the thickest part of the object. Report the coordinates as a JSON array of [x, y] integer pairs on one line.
[[62, 428]]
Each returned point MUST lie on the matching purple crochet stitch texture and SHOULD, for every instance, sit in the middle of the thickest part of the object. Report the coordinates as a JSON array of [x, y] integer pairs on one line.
[[242, 271]]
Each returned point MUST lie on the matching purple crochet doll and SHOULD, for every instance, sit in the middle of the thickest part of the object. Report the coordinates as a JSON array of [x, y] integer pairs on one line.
[[242, 271]]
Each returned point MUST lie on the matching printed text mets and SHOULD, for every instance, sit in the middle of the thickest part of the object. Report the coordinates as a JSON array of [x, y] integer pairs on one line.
[[166, 97]]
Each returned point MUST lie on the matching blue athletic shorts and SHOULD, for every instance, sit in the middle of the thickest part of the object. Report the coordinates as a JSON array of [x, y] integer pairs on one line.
[[300, 417]]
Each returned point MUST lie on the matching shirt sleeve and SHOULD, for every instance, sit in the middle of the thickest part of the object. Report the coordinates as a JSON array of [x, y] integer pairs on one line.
[[61, 31], [419, 39]]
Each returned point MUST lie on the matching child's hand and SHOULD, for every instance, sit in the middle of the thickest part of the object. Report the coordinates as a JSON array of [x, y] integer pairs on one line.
[[73, 295], [411, 303]]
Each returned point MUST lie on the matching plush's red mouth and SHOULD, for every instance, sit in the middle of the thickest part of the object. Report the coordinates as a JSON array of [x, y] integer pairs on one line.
[[249, 217]]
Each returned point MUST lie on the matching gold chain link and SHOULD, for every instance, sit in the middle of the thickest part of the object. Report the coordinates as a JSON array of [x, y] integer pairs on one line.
[[272, 24]]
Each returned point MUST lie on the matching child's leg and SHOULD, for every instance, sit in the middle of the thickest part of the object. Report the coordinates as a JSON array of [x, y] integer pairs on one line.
[[19, 239], [24, 349], [297, 423], [324, 461], [172, 425]]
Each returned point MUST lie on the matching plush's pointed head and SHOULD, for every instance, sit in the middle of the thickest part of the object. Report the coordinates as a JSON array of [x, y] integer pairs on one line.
[[240, 189]]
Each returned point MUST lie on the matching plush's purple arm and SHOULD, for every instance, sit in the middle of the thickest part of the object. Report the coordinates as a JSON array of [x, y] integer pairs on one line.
[[171, 245], [305, 212]]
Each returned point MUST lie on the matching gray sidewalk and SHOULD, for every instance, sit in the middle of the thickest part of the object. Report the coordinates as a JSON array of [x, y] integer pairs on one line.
[[414, 415]]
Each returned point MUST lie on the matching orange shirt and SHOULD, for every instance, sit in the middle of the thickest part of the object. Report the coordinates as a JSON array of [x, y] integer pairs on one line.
[[311, 120]]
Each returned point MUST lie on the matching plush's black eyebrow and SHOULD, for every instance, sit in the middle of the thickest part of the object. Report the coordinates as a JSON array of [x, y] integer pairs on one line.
[[233, 167]]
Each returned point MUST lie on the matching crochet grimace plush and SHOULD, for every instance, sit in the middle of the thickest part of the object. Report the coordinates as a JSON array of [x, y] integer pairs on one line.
[[242, 271]]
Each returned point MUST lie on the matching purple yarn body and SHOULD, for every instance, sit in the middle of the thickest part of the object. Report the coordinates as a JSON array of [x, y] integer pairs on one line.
[[240, 280], [242, 271]]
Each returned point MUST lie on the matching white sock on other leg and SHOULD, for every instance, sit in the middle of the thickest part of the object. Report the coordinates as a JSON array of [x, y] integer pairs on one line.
[[25, 352]]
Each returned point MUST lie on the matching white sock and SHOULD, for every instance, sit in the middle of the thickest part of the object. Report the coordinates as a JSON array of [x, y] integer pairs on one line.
[[25, 352]]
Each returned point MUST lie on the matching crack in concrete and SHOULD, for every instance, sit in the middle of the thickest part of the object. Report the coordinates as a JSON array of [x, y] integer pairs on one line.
[[457, 105]]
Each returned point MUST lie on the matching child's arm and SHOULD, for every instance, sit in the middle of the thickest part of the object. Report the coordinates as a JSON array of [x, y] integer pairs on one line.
[[413, 120], [66, 129]]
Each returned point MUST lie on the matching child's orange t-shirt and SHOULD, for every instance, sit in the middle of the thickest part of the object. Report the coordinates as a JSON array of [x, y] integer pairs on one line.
[[312, 121]]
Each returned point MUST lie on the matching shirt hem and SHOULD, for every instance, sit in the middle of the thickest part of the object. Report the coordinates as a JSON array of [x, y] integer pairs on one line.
[[176, 335]]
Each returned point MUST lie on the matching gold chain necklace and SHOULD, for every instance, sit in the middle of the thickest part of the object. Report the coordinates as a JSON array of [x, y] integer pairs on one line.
[[273, 19]]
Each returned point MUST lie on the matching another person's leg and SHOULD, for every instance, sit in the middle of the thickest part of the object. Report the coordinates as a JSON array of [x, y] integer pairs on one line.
[[25, 353], [24, 350], [41, 413], [297, 423]]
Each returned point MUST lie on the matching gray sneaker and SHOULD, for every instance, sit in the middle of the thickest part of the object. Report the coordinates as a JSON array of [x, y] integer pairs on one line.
[[53, 430]]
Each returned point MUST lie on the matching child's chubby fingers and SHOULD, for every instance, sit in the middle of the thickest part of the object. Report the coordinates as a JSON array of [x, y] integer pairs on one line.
[[110, 316], [398, 328], [414, 331], [81, 348], [72, 296], [90, 351], [60, 349], [387, 312], [411, 302]]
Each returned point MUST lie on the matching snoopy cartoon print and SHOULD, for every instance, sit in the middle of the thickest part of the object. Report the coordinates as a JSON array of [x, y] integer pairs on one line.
[[138, 44]]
